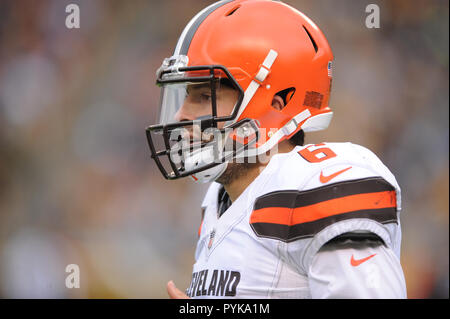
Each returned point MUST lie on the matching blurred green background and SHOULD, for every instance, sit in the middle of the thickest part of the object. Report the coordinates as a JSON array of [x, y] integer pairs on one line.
[[77, 185]]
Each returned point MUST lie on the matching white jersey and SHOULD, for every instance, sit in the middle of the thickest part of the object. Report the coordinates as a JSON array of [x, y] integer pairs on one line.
[[267, 243]]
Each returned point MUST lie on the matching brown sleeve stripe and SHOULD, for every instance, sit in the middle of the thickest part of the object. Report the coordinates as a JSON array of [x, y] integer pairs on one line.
[[311, 211], [294, 198], [287, 233], [336, 206]]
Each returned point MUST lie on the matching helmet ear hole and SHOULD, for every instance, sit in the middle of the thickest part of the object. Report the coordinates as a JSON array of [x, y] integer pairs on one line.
[[286, 95]]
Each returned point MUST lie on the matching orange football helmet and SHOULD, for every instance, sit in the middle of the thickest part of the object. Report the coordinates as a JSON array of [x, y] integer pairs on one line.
[[258, 48]]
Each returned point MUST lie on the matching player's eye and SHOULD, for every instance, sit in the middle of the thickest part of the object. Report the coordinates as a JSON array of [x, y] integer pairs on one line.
[[205, 97]]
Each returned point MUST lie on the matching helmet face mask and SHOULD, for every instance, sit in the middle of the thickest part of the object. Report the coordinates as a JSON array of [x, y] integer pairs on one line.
[[212, 137], [217, 89]]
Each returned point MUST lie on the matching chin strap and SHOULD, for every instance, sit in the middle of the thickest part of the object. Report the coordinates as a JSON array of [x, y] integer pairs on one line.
[[263, 72], [210, 174]]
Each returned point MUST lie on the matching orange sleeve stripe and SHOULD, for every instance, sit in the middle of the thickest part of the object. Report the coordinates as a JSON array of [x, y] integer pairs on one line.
[[200, 229], [342, 205]]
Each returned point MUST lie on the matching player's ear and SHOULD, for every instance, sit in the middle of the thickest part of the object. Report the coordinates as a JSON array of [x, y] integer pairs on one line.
[[277, 103]]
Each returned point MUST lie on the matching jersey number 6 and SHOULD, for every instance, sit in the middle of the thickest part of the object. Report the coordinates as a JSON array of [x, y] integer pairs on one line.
[[317, 155]]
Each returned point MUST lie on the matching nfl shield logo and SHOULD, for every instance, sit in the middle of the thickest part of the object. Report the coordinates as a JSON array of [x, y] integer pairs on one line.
[[211, 238]]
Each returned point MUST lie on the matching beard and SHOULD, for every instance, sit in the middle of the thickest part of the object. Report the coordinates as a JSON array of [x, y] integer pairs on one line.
[[235, 171]]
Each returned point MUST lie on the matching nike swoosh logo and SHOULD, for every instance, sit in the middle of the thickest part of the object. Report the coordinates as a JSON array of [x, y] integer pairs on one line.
[[358, 262], [326, 179]]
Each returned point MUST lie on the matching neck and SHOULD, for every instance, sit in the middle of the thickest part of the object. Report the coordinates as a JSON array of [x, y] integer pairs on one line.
[[240, 176], [238, 185]]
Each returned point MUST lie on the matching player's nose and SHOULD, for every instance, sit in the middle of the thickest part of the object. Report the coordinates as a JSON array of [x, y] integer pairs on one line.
[[184, 114]]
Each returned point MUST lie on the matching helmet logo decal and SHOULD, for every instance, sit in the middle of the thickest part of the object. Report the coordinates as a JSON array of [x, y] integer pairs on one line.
[[313, 99]]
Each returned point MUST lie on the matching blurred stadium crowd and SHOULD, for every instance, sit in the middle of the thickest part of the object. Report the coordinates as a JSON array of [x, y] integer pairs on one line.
[[77, 185]]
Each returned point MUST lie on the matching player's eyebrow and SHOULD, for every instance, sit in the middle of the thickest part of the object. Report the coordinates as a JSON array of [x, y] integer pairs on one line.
[[197, 86], [222, 84]]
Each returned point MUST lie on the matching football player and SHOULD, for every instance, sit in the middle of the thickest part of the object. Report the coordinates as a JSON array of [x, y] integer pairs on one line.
[[280, 219]]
